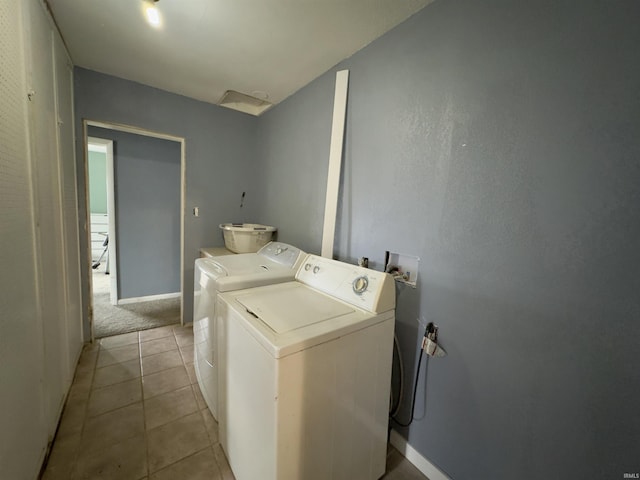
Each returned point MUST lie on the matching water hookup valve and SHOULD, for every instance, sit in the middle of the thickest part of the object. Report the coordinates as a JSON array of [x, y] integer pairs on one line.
[[430, 341]]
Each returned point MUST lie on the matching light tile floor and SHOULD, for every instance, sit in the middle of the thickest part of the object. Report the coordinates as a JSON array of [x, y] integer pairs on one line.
[[135, 412]]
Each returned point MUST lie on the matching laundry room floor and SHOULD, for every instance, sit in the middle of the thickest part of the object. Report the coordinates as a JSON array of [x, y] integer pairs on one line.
[[135, 411]]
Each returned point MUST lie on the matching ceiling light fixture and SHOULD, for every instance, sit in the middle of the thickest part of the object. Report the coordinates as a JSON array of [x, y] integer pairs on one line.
[[152, 13]]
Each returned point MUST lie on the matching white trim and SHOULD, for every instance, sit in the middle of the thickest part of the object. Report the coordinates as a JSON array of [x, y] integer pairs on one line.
[[427, 468], [99, 145], [94, 147], [335, 162], [148, 298], [138, 131], [87, 230], [112, 261], [183, 203]]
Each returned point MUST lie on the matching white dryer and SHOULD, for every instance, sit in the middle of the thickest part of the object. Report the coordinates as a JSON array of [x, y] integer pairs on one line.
[[305, 373], [274, 263]]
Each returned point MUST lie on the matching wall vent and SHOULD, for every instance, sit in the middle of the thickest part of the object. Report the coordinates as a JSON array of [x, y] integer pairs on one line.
[[244, 103]]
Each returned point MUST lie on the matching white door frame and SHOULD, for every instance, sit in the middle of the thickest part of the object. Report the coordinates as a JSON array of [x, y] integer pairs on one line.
[[148, 133], [107, 148]]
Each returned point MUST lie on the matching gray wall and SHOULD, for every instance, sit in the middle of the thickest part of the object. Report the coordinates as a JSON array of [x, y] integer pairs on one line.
[[220, 155], [498, 141], [293, 144], [147, 216]]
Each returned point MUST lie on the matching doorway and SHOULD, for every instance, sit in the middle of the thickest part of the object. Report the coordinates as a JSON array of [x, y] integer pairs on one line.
[[138, 243], [102, 218]]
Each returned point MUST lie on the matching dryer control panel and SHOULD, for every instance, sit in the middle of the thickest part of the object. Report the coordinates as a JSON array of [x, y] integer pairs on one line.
[[361, 287], [282, 253]]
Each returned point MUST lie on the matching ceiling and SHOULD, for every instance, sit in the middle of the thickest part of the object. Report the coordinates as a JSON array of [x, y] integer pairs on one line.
[[264, 48]]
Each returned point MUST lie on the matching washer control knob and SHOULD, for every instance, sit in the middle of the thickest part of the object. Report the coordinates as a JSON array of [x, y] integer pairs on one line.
[[316, 269], [307, 267], [360, 285]]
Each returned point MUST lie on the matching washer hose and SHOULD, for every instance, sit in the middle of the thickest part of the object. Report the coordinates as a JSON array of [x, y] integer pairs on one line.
[[415, 390]]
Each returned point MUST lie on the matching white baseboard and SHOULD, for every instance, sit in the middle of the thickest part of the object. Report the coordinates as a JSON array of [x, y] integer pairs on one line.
[[427, 468], [148, 298]]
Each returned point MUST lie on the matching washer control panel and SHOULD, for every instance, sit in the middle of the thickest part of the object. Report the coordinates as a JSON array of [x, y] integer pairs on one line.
[[368, 289]]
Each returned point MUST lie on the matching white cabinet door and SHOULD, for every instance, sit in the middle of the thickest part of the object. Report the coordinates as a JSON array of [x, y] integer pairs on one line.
[[23, 435], [47, 202], [68, 185]]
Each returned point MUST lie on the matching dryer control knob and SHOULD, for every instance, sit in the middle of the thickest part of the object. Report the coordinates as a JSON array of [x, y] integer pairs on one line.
[[360, 284], [316, 269], [307, 267]]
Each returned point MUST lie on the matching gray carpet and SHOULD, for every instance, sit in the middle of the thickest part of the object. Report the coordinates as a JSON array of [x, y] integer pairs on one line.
[[116, 319]]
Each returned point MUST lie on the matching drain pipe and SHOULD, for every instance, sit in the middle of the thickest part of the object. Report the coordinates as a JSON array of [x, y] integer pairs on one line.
[[335, 161]]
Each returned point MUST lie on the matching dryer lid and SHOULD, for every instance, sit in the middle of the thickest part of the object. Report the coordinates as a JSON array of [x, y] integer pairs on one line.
[[293, 308]]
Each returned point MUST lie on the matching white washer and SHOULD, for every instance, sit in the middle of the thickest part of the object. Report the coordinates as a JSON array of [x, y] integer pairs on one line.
[[276, 262], [305, 373]]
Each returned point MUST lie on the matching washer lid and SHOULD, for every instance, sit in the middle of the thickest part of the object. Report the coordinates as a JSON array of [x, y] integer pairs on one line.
[[294, 308]]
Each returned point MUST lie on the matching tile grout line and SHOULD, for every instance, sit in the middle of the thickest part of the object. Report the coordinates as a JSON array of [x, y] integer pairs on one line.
[[210, 446], [146, 438], [139, 358], [112, 384], [144, 409], [74, 468], [201, 412], [124, 406]]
